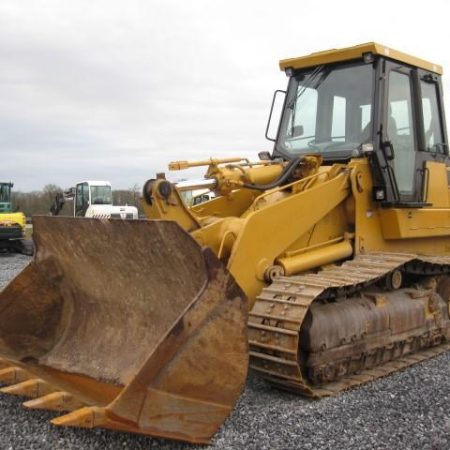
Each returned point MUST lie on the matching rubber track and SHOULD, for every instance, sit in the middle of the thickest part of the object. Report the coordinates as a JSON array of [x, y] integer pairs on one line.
[[280, 309]]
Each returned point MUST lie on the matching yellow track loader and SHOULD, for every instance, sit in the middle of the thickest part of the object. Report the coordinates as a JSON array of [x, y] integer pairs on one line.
[[324, 264]]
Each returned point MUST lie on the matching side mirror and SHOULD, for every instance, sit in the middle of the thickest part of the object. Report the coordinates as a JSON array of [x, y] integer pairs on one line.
[[277, 104], [388, 150], [264, 156]]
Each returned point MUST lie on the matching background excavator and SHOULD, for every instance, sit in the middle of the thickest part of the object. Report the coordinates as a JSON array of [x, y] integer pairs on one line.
[[324, 264], [12, 224], [93, 199]]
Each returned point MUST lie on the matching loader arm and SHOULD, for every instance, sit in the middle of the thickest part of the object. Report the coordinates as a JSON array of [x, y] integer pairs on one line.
[[260, 231], [267, 232]]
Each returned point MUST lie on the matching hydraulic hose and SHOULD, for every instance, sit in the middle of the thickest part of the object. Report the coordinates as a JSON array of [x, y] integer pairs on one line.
[[287, 172]]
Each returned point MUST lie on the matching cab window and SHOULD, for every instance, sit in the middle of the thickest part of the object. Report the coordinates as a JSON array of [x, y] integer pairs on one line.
[[400, 130], [430, 114], [82, 199]]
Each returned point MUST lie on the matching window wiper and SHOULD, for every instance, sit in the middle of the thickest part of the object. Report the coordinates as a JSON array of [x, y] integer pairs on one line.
[[318, 71]]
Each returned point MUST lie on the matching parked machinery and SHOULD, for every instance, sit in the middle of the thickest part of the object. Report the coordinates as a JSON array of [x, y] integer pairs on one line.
[[93, 199], [12, 224]]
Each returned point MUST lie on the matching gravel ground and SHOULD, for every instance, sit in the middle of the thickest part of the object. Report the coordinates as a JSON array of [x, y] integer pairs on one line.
[[408, 410]]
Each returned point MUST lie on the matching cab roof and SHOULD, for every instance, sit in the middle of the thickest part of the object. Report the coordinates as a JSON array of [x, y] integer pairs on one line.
[[95, 183], [354, 53]]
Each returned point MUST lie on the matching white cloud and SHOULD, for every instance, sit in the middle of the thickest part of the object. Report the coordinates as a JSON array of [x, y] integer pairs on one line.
[[115, 90]]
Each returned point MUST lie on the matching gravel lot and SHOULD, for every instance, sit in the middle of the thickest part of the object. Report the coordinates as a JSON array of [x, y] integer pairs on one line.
[[408, 410]]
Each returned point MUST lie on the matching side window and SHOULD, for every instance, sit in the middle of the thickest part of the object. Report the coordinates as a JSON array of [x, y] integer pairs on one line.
[[338, 119], [400, 119], [400, 130], [200, 199], [79, 200], [430, 113], [82, 199], [85, 193], [366, 111]]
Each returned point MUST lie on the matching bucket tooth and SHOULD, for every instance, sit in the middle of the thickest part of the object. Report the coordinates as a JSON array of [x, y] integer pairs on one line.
[[161, 412], [30, 388], [13, 375], [56, 401], [87, 417]]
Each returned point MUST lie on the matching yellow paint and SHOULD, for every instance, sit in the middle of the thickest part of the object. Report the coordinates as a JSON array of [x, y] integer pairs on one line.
[[373, 222], [356, 53], [437, 180], [13, 219], [234, 204], [408, 223], [170, 208], [301, 225], [182, 165], [233, 176], [325, 214], [269, 231], [316, 258]]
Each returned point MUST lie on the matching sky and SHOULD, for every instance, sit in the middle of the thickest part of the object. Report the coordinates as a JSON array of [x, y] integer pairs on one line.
[[115, 90]]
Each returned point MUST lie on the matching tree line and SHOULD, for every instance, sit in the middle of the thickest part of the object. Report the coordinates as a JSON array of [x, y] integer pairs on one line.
[[39, 202]]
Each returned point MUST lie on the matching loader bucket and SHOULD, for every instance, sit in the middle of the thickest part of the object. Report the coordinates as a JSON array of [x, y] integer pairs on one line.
[[132, 319]]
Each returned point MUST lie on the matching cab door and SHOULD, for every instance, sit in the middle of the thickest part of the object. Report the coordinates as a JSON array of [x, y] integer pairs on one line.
[[81, 199], [413, 131], [400, 137]]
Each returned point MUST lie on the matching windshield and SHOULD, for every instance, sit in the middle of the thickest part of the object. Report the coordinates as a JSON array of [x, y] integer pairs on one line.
[[328, 110], [5, 197], [101, 195], [5, 192]]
